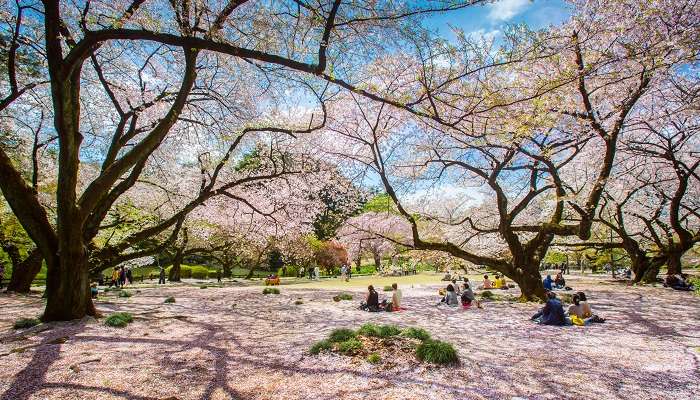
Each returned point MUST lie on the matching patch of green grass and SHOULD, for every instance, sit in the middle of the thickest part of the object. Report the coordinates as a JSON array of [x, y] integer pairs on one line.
[[298, 302], [487, 294], [374, 358], [125, 293], [271, 290], [119, 319], [203, 287], [345, 296], [386, 331], [24, 323], [369, 329], [321, 346], [388, 288], [170, 299], [696, 282], [341, 335], [436, 352], [350, 346], [416, 333]]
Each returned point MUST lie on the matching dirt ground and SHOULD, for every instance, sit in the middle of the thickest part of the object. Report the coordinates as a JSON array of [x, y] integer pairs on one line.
[[235, 343]]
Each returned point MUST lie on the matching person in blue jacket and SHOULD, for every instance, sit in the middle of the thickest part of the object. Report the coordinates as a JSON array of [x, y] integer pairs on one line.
[[547, 282], [552, 313]]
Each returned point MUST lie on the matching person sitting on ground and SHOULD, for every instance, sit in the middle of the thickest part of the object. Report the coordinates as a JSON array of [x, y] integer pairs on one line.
[[450, 298], [468, 297], [487, 283], [497, 281], [396, 297], [679, 282], [503, 283], [552, 313], [559, 281], [580, 312], [447, 277], [371, 303], [547, 282]]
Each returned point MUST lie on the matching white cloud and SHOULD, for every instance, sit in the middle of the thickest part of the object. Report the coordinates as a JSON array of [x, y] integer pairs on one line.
[[504, 10]]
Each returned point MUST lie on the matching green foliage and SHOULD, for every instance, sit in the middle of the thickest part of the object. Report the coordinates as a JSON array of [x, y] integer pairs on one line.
[[341, 335], [388, 288], [271, 290], [416, 333], [119, 319], [274, 260], [350, 346], [250, 161], [369, 329], [696, 282], [343, 296], [374, 358], [24, 323], [125, 293], [554, 256], [380, 203], [318, 347], [382, 331], [170, 299], [341, 201], [487, 294], [436, 352]]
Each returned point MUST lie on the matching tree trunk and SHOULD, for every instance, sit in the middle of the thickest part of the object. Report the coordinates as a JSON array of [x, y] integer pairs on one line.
[[227, 269], [23, 274], [68, 285], [174, 274], [673, 263], [377, 261], [530, 282]]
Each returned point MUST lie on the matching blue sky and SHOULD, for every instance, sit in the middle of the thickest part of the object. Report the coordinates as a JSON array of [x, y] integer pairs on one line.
[[489, 19]]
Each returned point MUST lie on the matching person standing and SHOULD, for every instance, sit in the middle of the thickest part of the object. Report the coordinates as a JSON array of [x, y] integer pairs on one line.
[[396, 297], [122, 277], [161, 277], [129, 276], [218, 275], [317, 272]]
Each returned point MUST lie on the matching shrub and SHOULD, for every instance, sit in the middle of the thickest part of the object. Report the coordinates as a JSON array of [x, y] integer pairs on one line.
[[388, 288], [345, 296], [320, 346], [389, 330], [341, 335], [170, 299], [203, 287], [436, 352], [373, 358], [271, 290], [199, 272], [487, 294], [416, 333], [369, 329], [125, 293], [350, 346], [298, 302], [119, 320], [24, 323]]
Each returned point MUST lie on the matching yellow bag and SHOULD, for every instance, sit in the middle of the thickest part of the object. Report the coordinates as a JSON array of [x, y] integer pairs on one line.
[[576, 320]]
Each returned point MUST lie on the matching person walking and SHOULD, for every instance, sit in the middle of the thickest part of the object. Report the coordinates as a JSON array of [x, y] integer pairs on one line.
[[218, 275], [161, 277], [122, 277]]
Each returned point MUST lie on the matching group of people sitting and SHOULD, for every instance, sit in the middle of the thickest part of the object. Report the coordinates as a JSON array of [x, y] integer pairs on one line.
[[453, 295], [372, 303], [679, 282], [557, 283], [579, 313], [499, 282]]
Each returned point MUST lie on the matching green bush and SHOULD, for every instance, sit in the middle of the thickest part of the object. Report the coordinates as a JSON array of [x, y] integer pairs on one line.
[[119, 319], [345, 296], [341, 335], [271, 290], [369, 329], [350, 346], [321, 346], [24, 323], [487, 294], [373, 358], [125, 293], [200, 272], [416, 333], [436, 352], [388, 288], [170, 299]]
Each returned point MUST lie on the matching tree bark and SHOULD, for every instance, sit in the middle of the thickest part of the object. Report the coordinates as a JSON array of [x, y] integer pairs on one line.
[[24, 272], [377, 261], [174, 274], [673, 263], [529, 280], [68, 285]]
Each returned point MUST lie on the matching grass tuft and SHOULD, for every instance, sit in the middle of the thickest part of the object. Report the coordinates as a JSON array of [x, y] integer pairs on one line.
[[323, 345], [170, 299], [341, 335], [270, 290], [125, 293], [374, 358], [24, 323], [388, 288], [119, 319], [487, 294], [416, 333], [369, 329], [350, 346], [437, 352]]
